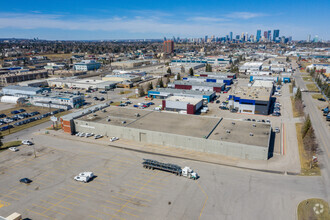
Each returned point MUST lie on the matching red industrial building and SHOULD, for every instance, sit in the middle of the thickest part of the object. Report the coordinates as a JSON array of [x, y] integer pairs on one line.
[[179, 103]]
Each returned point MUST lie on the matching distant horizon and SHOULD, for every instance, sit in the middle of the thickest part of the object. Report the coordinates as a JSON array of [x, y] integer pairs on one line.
[[120, 20]]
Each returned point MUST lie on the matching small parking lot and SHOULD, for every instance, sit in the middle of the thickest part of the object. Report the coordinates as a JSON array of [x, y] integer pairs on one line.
[[122, 188]]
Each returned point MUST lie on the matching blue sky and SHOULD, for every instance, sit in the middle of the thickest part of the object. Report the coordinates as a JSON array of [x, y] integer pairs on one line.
[[123, 19]]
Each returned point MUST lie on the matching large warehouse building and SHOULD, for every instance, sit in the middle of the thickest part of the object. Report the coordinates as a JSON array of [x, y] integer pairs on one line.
[[218, 75], [22, 90], [163, 93], [234, 138], [199, 86], [180, 103], [228, 82]]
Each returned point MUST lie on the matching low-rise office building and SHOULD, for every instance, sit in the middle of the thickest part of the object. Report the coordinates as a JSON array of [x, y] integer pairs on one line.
[[199, 86], [86, 65], [164, 93], [251, 99], [180, 103], [218, 75], [249, 67]]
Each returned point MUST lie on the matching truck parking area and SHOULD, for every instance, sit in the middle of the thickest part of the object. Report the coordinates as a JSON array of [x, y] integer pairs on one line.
[[122, 188]]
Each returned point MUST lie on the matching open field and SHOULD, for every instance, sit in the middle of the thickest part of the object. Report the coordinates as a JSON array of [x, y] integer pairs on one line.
[[307, 78], [317, 209], [317, 96], [304, 159], [312, 87]]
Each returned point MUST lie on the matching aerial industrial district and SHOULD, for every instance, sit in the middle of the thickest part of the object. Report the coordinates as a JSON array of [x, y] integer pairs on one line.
[[164, 130]]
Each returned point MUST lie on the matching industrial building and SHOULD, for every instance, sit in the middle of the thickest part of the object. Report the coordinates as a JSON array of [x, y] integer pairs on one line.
[[34, 83], [86, 83], [130, 63], [252, 99], [25, 91], [12, 99], [163, 93], [233, 138], [217, 60], [122, 78], [86, 65], [181, 103], [199, 86], [218, 75], [57, 101], [249, 67], [227, 81], [22, 76]]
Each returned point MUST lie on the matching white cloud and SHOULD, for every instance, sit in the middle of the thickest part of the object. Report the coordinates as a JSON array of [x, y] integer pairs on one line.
[[245, 15]]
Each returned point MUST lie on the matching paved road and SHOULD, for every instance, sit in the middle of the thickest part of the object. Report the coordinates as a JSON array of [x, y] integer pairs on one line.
[[321, 131]]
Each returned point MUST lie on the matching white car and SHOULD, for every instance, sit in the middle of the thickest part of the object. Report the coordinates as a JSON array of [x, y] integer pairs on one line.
[[89, 135], [14, 149], [78, 134], [277, 130], [27, 142], [98, 136], [84, 179], [114, 139], [82, 134]]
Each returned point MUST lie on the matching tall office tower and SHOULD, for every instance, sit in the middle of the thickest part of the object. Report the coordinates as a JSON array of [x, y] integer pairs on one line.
[[309, 38], [164, 38], [168, 46], [243, 37], [269, 35], [276, 35], [205, 39], [258, 35], [237, 37], [231, 36], [265, 35], [316, 39]]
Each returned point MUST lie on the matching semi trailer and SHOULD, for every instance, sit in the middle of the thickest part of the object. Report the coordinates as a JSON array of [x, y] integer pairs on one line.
[[172, 168]]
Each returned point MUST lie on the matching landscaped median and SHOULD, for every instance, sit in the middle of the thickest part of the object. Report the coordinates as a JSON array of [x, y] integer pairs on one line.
[[295, 112], [317, 209], [305, 159], [312, 87], [10, 144], [317, 96]]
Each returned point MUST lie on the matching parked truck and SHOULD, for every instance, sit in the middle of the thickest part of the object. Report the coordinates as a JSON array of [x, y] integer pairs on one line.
[[172, 168], [326, 111]]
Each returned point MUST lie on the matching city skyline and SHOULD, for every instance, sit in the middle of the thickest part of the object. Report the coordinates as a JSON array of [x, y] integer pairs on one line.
[[149, 20]]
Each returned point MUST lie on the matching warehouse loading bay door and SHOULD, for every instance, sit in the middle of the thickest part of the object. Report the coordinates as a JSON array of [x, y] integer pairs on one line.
[[143, 137]]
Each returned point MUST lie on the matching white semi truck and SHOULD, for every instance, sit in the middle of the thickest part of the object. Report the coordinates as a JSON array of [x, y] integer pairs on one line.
[[172, 168]]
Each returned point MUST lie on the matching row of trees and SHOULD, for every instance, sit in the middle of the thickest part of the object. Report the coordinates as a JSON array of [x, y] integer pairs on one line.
[[160, 84], [309, 140], [324, 86]]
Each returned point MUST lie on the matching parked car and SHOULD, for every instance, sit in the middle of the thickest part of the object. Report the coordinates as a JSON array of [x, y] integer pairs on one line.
[[14, 149], [277, 130], [114, 139], [321, 99], [89, 135], [218, 101], [25, 180], [83, 179], [98, 136], [27, 142]]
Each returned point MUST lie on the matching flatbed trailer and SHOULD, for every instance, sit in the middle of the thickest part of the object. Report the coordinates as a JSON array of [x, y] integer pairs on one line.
[[153, 164]]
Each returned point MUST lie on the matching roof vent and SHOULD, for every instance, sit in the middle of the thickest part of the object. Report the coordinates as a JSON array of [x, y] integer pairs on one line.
[[251, 134], [233, 123], [228, 131]]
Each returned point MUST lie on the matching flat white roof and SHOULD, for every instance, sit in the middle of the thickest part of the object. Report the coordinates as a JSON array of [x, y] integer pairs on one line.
[[190, 100]]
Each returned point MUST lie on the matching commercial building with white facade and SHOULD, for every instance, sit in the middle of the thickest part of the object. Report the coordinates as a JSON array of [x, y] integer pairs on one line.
[[86, 65], [180, 103], [87, 83], [199, 86], [249, 67], [163, 93]]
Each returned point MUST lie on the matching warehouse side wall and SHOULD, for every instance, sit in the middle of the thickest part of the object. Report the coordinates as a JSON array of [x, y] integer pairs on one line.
[[192, 143]]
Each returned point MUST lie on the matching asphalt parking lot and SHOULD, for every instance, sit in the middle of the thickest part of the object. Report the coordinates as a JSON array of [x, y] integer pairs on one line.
[[122, 189]]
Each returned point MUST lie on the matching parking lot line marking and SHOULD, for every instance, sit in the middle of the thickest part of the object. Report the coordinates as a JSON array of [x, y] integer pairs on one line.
[[149, 184], [117, 210], [3, 204], [38, 213], [95, 217], [15, 192], [147, 194], [54, 197], [200, 214], [48, 209], [9, 196], [115, 203], [130, 201], [75, 192], [139, 188], [95, 187], [112, 215], [124, 194], [123, 161], [103, 184], [62, 194], [134, 196], [56, 205]]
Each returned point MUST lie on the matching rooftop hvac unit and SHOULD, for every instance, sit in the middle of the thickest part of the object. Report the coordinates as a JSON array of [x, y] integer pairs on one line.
[[228, 131], [251, 134]]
